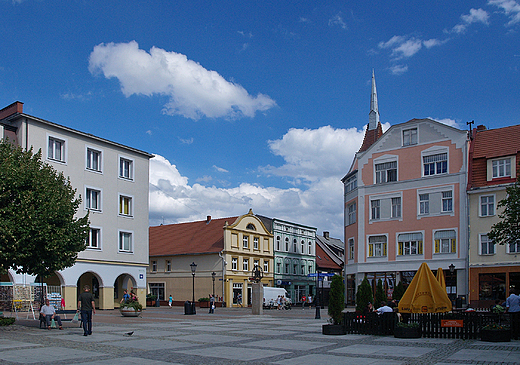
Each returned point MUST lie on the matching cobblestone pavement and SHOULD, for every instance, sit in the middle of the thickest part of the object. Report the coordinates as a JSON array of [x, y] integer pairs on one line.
[[231, 336]]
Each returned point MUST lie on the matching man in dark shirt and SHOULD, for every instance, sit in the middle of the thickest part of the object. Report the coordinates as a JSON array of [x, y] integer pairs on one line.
[[87, 306]]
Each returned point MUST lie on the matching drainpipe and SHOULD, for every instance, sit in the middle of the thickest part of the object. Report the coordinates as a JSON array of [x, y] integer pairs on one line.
[[224, 263]]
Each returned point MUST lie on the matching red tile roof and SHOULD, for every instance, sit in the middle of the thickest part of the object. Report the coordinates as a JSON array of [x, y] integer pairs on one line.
[[492, 143], [371, 136], [323, 261], [188, 238]]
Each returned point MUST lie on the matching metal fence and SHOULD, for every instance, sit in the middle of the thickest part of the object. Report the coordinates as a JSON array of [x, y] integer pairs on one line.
[[464, 325]]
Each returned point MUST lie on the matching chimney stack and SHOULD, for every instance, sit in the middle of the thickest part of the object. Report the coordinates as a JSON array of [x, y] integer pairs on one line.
[[326, 235], [481, 127], [208, 219]]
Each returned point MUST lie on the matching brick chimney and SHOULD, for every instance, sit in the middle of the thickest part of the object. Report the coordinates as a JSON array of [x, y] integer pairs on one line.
[[481, 127], [326, 235], [208, 219], [16, 107]]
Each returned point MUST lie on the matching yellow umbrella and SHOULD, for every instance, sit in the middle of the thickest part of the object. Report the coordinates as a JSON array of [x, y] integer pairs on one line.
[[424, 294], [440, 278]]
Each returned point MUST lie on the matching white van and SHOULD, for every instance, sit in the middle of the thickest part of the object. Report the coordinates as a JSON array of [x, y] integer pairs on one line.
[[271, 295]]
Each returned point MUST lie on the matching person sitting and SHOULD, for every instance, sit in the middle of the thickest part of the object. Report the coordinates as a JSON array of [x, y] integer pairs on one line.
[[49, 313], [384, 308], [497, 308], [368, 309]]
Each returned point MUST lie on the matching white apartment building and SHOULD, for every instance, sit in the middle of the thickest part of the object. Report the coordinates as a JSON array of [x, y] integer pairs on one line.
[[112, 180]]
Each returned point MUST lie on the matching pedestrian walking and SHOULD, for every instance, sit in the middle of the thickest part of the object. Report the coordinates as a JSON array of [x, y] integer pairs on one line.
[[513, 308], [211, 304], [87, 306], [170, 301]]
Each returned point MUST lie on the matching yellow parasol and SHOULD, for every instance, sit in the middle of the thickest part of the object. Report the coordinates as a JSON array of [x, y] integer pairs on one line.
[[424, 294], [440, 278]]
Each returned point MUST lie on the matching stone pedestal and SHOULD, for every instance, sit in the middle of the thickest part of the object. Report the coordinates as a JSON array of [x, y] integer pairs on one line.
[[258, 298]]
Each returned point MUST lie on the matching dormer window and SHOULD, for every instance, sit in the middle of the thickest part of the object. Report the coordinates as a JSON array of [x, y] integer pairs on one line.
[[409, 137], [502, 168]]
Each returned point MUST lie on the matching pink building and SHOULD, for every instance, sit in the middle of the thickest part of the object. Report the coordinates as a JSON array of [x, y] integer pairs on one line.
[[405, 203]]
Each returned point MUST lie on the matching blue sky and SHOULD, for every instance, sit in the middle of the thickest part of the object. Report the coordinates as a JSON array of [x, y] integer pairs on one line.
[[257, 104]]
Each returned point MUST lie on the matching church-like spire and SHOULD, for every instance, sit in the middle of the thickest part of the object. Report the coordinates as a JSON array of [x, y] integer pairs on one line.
[[373, 116]]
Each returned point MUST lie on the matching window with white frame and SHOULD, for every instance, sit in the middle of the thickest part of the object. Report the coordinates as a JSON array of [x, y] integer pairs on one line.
[[410, 244], [287, 268], [245, 264], [310, 248], [424, 203], [351, 249], [245, 241], [435, 164], [126, 168], [279, 267], [125, 241], [375, 206], [377, 246], [286, 244], [514, 247], [168, 266], [234, 262], [93, 199], [310, 268], [409, 136], [501, 168], [303, 246], [266, 266], [255, 243], [487, 246], [295, 269], [396, 207], [256, 263], [294, 245], [94, 238], [125, 206], [445, 241], [447, 201], [487, 205], [351, 208], [154, 266], [277, 243], [386, 172], [56, 149], [350, 183], [93, 159], [302, 269]]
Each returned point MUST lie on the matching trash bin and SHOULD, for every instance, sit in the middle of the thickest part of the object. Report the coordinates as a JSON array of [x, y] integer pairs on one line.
[[188, 308], [157, 303]]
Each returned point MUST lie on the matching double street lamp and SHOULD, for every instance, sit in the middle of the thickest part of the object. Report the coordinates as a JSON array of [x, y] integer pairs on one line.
[[193, 266], [213, 274]]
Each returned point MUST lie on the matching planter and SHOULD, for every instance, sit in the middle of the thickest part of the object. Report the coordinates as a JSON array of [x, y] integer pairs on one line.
[[203, 304], [495, 335], [334, 329], [407, 332], [129, 312]]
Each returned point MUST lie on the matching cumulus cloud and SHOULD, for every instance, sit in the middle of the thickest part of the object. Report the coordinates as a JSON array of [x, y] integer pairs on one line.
[[448, 121], [193, 91], [407, 46], [510, 7], [474, 16], [398, 69]]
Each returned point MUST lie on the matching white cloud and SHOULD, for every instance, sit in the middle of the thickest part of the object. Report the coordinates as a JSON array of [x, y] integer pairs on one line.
[[149, 132], [510, 7], [186, 141], [337, 20], [402, 47], [193, 91], [448, 121], [474, 16], [219, 169], [398, 69]]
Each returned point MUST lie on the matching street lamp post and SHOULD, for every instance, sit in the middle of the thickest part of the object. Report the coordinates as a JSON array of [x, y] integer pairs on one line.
[[452, 270], [193, 267], [213, 274], [317, 297]]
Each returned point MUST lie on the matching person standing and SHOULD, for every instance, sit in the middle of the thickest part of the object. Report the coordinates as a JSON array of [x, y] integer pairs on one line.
[[87, 306], [126, 297], [170, 301], [211, 304], [513, 307]]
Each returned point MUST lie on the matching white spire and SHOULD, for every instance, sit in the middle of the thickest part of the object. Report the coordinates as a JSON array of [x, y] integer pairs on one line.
[[373, 116]]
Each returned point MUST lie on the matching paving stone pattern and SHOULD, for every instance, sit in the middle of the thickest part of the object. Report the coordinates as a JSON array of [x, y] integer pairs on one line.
[[234, 338]]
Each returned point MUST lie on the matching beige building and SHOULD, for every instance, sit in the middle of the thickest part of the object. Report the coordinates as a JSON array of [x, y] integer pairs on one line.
[[228, 247]]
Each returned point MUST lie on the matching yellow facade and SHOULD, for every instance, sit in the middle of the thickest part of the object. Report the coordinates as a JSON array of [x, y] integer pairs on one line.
[[246, 243]]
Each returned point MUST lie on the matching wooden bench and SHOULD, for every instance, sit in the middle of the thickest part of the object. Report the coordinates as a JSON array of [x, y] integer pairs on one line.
[[63, 316]]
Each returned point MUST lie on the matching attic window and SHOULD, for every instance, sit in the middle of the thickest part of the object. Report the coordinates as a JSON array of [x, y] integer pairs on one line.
[[251, 226]]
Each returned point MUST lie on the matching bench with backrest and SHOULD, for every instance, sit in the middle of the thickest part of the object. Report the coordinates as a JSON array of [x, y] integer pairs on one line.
[[63, 315]]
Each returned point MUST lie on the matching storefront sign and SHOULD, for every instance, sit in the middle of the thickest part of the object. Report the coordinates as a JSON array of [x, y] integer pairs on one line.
[[452, 323]]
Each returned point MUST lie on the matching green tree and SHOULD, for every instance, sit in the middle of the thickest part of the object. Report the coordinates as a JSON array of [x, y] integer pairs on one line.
[[507, 231], [38, 231], [380, 294], [398, 291], [336, 299], [363, 295]]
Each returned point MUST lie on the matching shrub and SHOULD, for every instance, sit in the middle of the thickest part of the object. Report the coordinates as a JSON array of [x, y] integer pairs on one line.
[[408, 325], [399, 291], [363, 295], [6, 321], [132, 304], [203, 299], [336, 299], [380, 294]]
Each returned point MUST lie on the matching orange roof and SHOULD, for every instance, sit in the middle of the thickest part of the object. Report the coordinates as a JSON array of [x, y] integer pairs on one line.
[[323, 261], [188, 238], [492, 143], [371, 136]]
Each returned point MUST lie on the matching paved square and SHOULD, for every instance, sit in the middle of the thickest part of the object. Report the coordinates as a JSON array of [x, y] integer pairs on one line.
[[130, 361], [395, 351], [211, 338], [294, 345], [8, 344], [35, 355], [336, 360], [152, 344], [233, 353], [487, 355]]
